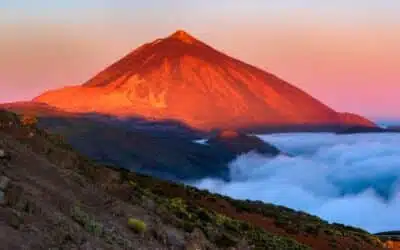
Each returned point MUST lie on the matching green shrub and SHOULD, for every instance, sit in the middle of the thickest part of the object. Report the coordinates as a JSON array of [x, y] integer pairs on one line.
[[132, 183], [204, 215], [179, 207], [137, 225], [88, 222]]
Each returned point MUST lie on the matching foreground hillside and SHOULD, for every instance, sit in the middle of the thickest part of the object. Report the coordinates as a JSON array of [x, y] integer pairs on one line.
[[57, 199]]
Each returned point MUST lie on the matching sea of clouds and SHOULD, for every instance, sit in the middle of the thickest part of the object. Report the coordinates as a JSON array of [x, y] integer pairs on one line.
[[349, 179]]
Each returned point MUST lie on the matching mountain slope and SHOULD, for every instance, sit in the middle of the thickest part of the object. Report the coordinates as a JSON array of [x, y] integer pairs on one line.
[[59, 199], [156, 151], [182, 78]]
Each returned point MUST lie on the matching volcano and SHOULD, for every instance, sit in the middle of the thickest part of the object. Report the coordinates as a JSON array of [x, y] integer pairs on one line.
[[181, 78]]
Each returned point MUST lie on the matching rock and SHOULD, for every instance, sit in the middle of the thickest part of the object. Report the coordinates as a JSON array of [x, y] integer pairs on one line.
[[197, 241], [149, 204], [235, 143], [160, 234], [2, 198], [4, 181], [14, 195], [86, 246], [174, 239], [242, 245], [15, 220], [4, 155]]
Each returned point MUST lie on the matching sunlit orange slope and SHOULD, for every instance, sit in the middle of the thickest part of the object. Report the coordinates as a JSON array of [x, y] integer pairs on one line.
[[182, 78]]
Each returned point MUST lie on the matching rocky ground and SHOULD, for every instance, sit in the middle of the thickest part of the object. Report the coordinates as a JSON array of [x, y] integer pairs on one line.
[[391, 239], [53, 198]]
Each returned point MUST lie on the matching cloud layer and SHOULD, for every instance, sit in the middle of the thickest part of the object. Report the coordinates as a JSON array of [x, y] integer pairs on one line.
[[350, 179]]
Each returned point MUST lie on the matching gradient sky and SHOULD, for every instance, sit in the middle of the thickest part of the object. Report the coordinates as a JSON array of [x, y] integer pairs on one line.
[[345, 53]]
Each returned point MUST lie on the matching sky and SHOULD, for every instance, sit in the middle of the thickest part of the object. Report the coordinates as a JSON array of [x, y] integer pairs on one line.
[[345, 53]]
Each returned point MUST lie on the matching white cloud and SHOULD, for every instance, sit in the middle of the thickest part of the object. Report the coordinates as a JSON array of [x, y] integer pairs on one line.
[[350, 179]]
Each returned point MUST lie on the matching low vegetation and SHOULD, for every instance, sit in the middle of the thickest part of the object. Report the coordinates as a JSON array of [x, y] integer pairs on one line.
[[136, 225], [86, 221], [221, 229], [199, 208]]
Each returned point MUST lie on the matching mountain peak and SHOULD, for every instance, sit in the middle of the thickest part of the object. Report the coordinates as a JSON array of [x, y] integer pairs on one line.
[[181, 78], [183, 36]]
